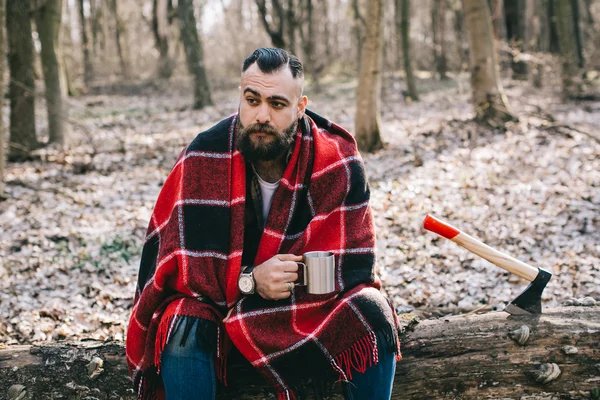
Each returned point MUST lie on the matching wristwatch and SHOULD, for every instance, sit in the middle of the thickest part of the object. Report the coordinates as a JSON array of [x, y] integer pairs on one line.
[[246, 281]]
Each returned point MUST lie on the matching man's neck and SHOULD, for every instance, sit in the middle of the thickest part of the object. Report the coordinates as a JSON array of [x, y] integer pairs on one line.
[[270, 171]]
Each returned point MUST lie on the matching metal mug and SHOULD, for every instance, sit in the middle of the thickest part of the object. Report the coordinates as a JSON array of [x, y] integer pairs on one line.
[[319, 272]]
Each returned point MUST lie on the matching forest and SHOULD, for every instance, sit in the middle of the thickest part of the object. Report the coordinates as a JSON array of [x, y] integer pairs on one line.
[[485, 113]]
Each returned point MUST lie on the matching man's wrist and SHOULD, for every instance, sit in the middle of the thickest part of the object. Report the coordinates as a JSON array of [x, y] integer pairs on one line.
[[246, 281]]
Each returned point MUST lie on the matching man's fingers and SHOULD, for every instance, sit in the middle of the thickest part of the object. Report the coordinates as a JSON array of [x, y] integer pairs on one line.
[[288, 257], [290, 266], [290, 277]]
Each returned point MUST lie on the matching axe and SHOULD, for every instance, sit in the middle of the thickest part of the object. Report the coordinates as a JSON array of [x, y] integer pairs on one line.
[[528, 302]]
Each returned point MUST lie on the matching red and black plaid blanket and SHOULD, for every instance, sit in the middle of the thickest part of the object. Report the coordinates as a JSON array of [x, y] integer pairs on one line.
[[192, 258]]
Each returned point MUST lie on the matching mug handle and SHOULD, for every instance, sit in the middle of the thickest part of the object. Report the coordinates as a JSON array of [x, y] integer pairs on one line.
[[305, 275]]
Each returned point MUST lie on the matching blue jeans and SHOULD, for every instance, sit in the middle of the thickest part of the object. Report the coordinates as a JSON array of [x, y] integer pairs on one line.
[[188, 371]]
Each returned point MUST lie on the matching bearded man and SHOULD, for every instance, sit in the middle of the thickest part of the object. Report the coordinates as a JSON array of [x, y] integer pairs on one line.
[[218, 274]]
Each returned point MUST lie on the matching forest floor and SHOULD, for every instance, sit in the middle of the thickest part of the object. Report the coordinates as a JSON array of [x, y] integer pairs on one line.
[[72, 224]]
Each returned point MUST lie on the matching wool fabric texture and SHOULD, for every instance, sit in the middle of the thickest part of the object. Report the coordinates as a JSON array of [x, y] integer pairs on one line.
[[191, 261]]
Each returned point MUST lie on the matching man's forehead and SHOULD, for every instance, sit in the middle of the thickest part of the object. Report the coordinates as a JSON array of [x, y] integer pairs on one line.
[[281, 81]]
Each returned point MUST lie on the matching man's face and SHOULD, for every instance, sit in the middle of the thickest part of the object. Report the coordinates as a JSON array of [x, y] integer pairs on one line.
[[270, 106]]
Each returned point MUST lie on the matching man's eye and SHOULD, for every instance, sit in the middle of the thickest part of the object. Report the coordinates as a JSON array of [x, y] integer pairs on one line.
[[278, 104], [250, 100]]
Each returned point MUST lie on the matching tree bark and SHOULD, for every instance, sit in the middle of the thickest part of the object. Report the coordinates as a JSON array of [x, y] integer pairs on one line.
[[358, 28], [438, 12], [194, 54], [291, 22], [489, 100], [568, 48], [277, 17], [119, 37], [98, 38], [459, 31], [22, 138], [160, 24], [2, 91], [85, 45], [403, 9], [368, 93], [48, 24], [540, 41], [498, 20], [578, 34], [467, 357], [515, 23]]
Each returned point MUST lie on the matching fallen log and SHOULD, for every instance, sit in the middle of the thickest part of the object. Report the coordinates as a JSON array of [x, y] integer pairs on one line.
[[552, 356]]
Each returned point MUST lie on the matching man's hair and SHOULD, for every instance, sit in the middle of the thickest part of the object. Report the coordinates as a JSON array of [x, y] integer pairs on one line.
[[270, 60]]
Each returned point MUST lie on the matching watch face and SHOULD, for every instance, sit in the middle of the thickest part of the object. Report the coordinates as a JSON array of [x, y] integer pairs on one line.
[[245, 284]]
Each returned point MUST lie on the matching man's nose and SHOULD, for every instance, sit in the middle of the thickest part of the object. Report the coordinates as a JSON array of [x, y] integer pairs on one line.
[[263, 115]]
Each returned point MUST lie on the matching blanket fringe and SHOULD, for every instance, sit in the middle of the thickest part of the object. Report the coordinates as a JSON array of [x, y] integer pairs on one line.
[[358, 357]]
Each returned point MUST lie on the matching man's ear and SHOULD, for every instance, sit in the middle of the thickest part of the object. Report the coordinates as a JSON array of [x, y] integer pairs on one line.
[[302, 106]]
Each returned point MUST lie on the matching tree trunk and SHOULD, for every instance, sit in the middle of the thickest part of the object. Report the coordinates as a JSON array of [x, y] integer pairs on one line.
[[85, 46], [489, 100], [291, 22], [568, 49], [98, 34], [48, 21], [2, 91], [466, 357], [515, 21], [578, 35], [459, 23], [22, 138], [194, 54], [368, 93], [553, 19], [160, 24], [275, 35], [119, 37], [403, 8], [438, 12], [498, 20], [358, 28], [540, 41]]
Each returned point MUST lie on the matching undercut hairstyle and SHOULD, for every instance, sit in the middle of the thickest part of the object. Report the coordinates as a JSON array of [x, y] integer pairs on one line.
[[271, 60]]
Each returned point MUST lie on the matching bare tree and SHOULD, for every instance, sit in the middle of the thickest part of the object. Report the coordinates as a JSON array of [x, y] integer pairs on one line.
[[358, 28], [48, 21], [119, 38], [459, 32], [98, 34], [277, 16], [22, 138], [402, 17], [438, 19], [85, 45], [194, 53], [489, 100], [539, 41], [498, 19], [160, 25], [578, 34], [571, 87], [515, 32], [292, 25], [368, 93], [2, 89]]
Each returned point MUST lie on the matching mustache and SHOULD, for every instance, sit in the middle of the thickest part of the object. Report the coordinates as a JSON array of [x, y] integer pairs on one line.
[[264, 128]]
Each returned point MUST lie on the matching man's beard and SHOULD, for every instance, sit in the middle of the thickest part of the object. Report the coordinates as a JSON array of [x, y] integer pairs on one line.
[[257, 150]]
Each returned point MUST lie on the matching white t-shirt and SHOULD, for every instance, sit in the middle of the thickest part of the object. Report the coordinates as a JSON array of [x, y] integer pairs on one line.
[[267, 190]]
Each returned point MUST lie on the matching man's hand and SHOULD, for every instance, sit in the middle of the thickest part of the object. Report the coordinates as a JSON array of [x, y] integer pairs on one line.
[[273, 275]]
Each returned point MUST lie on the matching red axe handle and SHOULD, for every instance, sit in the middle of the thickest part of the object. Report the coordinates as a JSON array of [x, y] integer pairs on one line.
[[494, 256]]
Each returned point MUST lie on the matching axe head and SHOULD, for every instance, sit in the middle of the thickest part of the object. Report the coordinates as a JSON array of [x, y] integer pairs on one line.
[[530, 301]]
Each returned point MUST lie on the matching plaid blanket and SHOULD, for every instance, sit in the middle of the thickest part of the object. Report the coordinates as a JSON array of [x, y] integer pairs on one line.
[[192, 258]]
